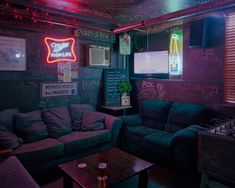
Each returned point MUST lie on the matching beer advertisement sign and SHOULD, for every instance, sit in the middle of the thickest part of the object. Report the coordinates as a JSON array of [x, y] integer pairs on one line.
[[60, 50]]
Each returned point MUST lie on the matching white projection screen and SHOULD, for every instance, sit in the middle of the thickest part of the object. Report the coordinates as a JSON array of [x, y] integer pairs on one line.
[[153, 62]]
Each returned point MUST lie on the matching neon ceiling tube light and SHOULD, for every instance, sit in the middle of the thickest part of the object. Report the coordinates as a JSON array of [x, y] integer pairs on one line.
[[60, 50]]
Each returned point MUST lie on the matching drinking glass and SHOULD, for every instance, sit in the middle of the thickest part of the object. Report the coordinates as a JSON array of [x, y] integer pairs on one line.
[[102, 171]]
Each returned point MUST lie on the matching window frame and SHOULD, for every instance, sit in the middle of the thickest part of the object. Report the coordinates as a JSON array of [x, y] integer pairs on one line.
[[229, 60]]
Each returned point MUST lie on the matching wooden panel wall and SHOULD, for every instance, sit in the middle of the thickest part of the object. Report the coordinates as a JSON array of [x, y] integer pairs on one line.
[[22, 89]]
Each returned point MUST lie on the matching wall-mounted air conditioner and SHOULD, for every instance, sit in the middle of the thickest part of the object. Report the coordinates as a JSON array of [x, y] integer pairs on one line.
[[98, 55]]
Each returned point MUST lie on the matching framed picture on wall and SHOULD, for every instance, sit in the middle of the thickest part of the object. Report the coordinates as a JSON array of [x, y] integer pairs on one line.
[[12, 54]]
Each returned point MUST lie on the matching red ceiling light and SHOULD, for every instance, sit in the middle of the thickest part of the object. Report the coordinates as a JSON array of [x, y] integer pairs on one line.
[[7, 5], [60, 50]]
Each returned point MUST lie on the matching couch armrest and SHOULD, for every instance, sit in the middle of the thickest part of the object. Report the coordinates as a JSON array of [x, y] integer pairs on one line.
[[186, 134], [132, 120], [184, 143], [5, 153], [14, 175], [113, 124]]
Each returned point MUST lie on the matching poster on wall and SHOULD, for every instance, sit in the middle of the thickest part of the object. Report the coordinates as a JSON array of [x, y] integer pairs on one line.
[[12, 54], [125, 44], [74, 68], [58, 89], [64, 71]]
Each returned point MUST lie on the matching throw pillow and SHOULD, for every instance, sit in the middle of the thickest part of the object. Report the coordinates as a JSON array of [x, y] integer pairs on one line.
[[58, 121], [76, 111], [155, 113], [7, 118], [92, 121], [30, 126], [9, 140]]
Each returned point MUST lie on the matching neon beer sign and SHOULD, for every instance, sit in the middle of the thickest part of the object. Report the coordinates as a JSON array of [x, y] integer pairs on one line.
[[60, 50], [175, 53]]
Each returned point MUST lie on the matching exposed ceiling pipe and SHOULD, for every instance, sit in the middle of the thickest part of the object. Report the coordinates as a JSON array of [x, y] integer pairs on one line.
[[203, 8], [75, 26]]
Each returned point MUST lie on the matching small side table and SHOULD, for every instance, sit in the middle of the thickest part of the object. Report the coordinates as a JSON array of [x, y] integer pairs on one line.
[[216, 155], [117, 108]]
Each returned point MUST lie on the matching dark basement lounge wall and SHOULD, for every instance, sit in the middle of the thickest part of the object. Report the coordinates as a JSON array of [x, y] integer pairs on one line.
[[22, 89], [202, 80]]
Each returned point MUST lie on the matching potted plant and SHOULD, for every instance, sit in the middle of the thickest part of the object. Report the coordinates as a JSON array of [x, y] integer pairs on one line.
[[125, 89]]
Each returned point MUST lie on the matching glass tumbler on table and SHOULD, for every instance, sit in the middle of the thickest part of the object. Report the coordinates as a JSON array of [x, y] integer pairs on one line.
[[102, 171]]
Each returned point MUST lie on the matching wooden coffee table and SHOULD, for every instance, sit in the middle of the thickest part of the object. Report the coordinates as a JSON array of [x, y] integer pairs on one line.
[[121, 166]]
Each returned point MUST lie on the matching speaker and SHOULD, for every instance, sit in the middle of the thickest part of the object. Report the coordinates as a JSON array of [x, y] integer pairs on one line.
[[208, 32], [197, 33], [214, 31]]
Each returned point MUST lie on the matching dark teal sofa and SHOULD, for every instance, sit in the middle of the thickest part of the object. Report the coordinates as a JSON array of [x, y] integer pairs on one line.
[[165, 131], [42, 139]]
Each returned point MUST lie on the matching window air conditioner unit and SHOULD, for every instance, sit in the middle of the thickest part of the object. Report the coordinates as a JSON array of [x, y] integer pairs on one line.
[[98, 55]]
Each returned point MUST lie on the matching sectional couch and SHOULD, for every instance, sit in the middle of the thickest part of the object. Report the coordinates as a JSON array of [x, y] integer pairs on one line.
[[165, 131], [43, 138]]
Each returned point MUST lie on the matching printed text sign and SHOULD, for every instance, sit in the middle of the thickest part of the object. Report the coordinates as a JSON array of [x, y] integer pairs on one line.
[[58, 89]]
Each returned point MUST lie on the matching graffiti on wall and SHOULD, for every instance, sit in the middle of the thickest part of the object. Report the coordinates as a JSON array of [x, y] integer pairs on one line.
[[204, 93], [151, 89]]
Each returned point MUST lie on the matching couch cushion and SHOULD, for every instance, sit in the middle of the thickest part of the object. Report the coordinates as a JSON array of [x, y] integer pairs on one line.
[[39, 150], [30, 126], [58, 121], [153, 123], [76, 111], [155, 113], [79, 139], [92, 121], [182, 115], [140, 130], [159, 143], [7, 118], [9, 140], [135, 133], [14, 175]]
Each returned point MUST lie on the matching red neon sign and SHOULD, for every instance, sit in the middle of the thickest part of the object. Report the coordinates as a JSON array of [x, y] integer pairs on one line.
[[60, 50]]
